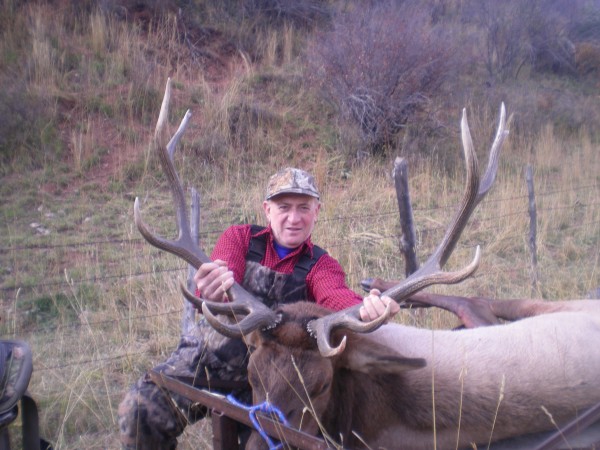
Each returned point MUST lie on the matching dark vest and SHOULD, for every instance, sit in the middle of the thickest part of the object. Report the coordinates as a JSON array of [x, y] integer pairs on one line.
[[273, 287], [226, 358]]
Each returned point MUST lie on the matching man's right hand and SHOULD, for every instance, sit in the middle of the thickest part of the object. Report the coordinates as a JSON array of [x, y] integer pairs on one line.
[[213, 280]]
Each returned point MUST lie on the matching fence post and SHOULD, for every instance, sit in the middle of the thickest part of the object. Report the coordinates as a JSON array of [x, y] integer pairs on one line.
[[532, 230], [189, 312], [408, 239]]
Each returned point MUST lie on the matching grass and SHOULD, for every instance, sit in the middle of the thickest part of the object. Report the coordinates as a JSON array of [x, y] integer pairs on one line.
[[99, 306]]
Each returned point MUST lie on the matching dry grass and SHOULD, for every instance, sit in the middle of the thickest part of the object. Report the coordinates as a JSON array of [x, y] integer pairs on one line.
[[99, 306]]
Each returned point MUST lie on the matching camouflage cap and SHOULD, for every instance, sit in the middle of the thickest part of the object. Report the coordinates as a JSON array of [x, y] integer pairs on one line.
[[291, 181]]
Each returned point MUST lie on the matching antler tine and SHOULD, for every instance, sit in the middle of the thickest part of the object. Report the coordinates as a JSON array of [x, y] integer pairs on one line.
[[253, 320], [490, 172], [255, 317], [184, 246], [431, 272], [349, 319], [466, 206], [189, 296]]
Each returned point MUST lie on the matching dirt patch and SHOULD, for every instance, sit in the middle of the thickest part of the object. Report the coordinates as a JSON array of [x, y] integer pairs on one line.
[[208, 58]]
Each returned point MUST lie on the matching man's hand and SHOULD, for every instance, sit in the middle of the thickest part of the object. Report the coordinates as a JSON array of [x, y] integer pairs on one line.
[[213, 279], [374, 306]]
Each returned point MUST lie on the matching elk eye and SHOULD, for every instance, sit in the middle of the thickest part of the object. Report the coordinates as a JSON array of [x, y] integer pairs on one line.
[[324, 388], [251, 348]]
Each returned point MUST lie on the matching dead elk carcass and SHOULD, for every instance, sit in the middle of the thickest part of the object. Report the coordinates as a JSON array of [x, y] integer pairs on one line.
[[394, 386]]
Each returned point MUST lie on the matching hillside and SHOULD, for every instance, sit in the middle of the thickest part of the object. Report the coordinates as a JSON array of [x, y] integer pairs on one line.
[[338, 88]]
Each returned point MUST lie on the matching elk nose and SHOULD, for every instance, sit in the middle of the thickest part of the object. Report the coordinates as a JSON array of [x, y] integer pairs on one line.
[[366, 284]]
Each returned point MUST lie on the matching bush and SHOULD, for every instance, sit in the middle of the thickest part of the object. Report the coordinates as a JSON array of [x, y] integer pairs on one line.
[[504, 28], [550, 48], [540, 34], [587, 58], [585, 25], [380, 65], [24, 121], [300, 13]]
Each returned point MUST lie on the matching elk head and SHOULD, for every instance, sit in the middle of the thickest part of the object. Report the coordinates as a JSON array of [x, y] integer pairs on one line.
[[316, 394]]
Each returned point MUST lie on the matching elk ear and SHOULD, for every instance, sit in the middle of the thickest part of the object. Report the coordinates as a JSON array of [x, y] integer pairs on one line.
[[367, 356]]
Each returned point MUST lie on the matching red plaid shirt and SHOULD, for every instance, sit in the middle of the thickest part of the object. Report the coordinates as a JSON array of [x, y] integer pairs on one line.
[[326, 282]]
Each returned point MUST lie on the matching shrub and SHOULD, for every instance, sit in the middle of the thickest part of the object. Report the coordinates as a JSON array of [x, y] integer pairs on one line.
[[541, 34], [25, 124], [300, 13], [380, 65], [587, 58], [585, 24], [550, 48], [504, 29]]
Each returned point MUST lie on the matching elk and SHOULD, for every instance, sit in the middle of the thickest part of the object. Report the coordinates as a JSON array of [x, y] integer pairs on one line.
[[386, 385]]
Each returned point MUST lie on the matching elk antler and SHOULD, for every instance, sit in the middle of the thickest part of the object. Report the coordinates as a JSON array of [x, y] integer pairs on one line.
[[258, 315], [431, 272]]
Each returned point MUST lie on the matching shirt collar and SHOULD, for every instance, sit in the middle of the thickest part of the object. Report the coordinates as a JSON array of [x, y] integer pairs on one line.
[[306, 245]]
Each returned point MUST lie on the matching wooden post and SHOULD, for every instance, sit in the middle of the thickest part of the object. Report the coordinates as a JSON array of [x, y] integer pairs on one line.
[[189, 312], [408, 239], [225, 431], [532, 230]]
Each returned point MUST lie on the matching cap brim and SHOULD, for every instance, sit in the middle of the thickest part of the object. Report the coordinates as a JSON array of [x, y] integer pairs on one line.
[[293, 191]]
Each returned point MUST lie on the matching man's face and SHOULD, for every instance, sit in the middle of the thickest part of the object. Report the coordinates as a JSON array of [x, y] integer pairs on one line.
[[292, 217]]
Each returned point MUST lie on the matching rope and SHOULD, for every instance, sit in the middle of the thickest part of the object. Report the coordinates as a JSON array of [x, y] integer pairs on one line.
[[265, 407]]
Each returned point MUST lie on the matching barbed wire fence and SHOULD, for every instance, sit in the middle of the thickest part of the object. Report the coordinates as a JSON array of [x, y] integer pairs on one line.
[[64, 284]]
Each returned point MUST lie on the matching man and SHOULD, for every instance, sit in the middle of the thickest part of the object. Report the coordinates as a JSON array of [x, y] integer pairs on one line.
[[278, 264]]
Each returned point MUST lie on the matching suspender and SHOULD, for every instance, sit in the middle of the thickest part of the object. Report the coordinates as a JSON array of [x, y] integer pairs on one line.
[[258, 247]]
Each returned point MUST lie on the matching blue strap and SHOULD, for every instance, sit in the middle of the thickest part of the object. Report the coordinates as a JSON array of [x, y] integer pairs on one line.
[[265, 408]]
